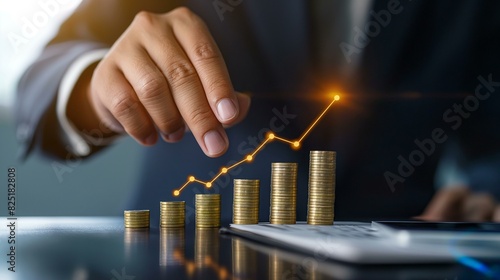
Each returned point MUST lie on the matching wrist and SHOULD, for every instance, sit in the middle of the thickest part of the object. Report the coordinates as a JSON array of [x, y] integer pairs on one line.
[[82, 113]]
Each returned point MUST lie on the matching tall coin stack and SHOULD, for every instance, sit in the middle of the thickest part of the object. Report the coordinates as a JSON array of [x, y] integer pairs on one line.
[[172, 214], [283, 193], [321, 188], [136, 218], [207, 210], [246, 201]]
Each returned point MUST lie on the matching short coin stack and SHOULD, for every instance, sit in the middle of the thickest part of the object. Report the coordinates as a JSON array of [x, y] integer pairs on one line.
[[321, 188], [283, 193], [136, 218], [246, 201], [208, 210], [172, 214]]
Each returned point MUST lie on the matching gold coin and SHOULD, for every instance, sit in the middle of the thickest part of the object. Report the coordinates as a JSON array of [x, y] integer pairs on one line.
[[321, 187], [246, 194], [136, 218], [207, 210]]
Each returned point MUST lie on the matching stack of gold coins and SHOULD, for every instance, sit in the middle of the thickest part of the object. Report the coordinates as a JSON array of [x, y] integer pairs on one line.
[[321, 188], [246, 201], [136, 218], [172, 213], [283, 193], [172, 246], [207, 210]]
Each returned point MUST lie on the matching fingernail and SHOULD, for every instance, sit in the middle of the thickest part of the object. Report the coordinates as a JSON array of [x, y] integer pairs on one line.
[[214, 142], [175, 136], [226, 109], [151, 140]]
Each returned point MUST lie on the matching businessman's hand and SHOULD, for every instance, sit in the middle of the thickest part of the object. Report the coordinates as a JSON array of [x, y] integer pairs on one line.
[[460, 204], [165, 73]]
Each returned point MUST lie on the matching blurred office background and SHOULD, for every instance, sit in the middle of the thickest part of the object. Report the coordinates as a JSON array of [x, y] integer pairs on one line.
[[97, 186], [102, 184]]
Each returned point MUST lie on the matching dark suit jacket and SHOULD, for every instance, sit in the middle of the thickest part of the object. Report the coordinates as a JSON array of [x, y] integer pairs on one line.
[[412, 72]]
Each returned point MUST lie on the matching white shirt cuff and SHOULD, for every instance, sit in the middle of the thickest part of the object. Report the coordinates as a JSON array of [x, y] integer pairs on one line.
[[75, 139]]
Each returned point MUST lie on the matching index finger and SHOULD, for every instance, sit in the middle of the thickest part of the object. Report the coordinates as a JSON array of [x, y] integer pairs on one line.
[[198, 44]]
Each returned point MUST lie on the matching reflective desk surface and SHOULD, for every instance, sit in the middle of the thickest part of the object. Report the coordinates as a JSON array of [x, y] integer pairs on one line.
[[100, 248]]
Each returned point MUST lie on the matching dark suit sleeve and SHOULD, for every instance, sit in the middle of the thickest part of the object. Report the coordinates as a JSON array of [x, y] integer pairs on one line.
[[95, 24]]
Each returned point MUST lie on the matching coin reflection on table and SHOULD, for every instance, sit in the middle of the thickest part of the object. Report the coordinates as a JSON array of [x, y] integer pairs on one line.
[[135, 239], [206, 249], [279, 268], [244, 260], [172, 246], [284, 266]]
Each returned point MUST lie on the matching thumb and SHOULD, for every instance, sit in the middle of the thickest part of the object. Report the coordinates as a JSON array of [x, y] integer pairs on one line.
[[244, 101]]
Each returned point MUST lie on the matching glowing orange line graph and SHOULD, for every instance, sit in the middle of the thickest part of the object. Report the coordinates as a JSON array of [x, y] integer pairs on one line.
[[248, 158]]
